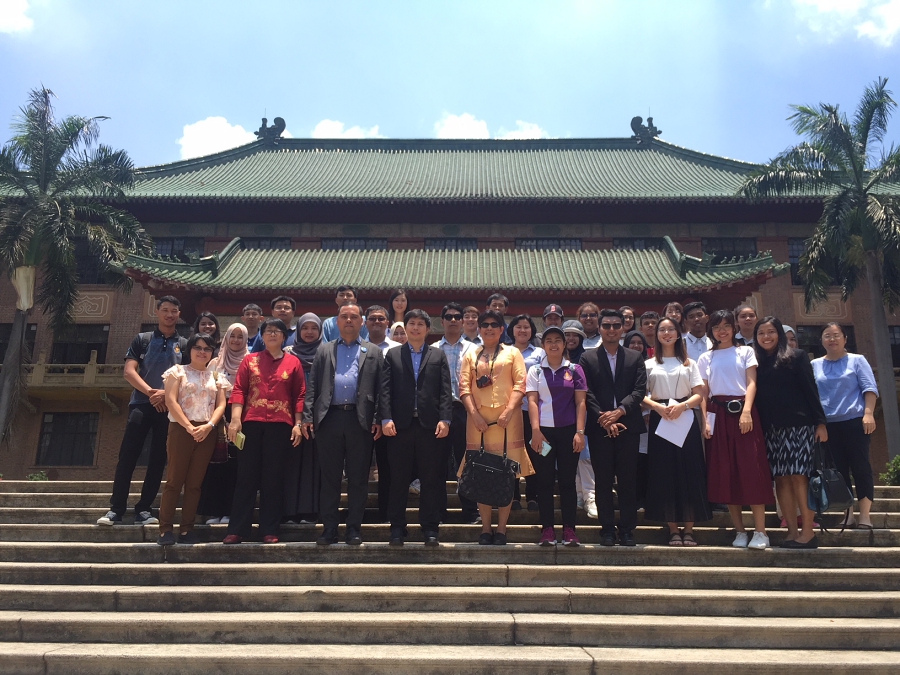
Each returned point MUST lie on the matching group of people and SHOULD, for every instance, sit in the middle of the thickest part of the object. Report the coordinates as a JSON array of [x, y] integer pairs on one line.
[[686, 412]]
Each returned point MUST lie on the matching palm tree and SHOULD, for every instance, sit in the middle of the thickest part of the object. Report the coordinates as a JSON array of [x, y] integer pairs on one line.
[[859, 231], [56, 187]]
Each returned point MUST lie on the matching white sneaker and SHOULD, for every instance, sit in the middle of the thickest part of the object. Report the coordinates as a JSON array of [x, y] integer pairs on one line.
[[415, 487], [145, 518], [224, 520], [760, 541], [590, 507], [213, 521], [740, 540], [111, 518]]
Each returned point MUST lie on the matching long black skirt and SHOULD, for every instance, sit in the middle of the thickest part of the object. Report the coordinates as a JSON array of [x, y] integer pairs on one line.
[[302, 479], [217, 492], [676, 481]]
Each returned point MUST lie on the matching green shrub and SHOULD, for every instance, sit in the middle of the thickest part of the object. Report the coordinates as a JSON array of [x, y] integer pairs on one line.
[[40, 475], [891, 476]]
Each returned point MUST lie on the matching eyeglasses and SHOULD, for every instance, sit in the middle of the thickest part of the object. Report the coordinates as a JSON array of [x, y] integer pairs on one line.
[[453, 317], [283, 308], [667, 330], [492, 324], [610, 326], [205, 350], [589, 315], [272, 332]]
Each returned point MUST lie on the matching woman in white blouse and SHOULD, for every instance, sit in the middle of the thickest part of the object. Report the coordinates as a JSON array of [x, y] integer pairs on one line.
[[676, 486], [195, 397]]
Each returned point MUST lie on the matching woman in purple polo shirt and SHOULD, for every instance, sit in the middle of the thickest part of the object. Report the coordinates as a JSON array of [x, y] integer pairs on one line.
[[557, 395]]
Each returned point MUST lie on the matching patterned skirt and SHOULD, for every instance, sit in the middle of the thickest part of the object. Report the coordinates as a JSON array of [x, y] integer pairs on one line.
[[790, 450]]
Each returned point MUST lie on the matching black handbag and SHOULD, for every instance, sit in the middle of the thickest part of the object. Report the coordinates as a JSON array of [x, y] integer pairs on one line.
[[828, 490], [488, 478]]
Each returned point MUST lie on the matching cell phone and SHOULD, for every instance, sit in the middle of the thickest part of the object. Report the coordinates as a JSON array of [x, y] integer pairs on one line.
[[239, 439], [545, 448]]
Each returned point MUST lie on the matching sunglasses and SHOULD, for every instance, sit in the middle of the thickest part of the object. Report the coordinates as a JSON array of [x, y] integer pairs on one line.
[[610, 326], [377, 319], [492, 324], [590, 315], [453, 317]]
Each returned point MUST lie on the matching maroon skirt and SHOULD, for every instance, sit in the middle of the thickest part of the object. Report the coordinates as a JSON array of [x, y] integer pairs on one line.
[[737, 464]]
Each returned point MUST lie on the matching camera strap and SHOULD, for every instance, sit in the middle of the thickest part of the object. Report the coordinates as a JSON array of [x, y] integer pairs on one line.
[[493, 358]]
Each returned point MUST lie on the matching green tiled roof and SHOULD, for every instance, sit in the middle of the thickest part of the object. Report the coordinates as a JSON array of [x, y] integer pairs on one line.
[[342, 170], [313, 271]]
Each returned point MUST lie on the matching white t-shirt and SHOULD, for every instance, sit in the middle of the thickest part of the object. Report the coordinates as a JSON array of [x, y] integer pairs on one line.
[[671, 378], [726, 370]]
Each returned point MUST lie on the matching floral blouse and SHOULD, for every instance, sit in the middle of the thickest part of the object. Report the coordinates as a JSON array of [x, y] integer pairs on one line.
[[197, 391]]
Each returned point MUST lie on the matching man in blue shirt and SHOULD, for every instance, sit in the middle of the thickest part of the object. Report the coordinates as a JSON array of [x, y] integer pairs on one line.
[[283, 307], [252, 317], [330, 330], [148, 357], [500, 303]]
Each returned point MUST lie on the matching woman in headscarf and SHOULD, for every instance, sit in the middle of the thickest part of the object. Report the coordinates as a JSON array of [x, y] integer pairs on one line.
[[398, 333], [301, 477], [218, 485]]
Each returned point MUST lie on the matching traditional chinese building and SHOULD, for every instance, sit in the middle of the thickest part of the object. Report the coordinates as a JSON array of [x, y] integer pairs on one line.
[[634, 221]]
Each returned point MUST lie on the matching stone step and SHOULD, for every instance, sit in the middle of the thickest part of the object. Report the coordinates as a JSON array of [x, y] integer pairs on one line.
[[104, 487], [406, 598], [380, 552], [602, 575], [339, 659], [522, 534], [446, 628]]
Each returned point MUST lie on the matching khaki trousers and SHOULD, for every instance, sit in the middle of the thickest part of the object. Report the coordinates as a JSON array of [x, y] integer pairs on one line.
[[187, 467]]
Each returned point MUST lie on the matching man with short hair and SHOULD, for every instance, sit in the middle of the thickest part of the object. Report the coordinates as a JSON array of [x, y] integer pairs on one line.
[[330, 330], [589, 316], [377, 324], [252, 317], [746, 319], [695, 340], [455, 347], [553, 316], [647, 326], [149, 356], [500, 303], [617, 384], [284, 307], [470, 325], [341, 412], [416, 406]]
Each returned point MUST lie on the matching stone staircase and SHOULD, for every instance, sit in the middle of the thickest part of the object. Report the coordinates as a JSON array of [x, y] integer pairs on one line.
[[78, 598]]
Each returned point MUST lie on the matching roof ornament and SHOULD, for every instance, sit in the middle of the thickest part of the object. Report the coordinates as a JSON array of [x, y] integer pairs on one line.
[[271, 134], [644, 133]]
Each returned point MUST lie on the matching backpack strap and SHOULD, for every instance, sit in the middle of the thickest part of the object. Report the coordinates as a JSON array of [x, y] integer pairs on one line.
[[145, 342]]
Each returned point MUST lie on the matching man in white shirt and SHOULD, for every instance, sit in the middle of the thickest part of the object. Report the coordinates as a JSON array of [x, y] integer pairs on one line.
[[470, 325], [696, 340], [377, 323]]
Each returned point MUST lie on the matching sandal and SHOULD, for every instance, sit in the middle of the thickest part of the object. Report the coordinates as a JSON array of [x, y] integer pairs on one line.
[[688, 539], [675, 539], [863, 526]]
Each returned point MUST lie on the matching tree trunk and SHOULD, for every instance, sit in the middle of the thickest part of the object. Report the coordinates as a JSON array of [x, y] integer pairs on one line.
[[11, 384], [887, 386]]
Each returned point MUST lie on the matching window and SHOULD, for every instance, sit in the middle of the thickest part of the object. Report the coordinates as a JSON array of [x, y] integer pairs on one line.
[[6, 334], [451, 244], [357, 244], [86, 264], [796, 248], [726, 248], [179, 248], [76, 343], [810, 339], [68, 439], [544, 244], [267, 243], [638, 244], [894, 336]]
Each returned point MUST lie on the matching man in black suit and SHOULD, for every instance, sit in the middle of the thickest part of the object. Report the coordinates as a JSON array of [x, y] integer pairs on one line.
[[617, 383], [341, 411], [417, 406]]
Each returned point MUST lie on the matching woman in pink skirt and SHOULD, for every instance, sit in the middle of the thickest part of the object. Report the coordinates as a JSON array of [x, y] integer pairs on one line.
[[738, 467]]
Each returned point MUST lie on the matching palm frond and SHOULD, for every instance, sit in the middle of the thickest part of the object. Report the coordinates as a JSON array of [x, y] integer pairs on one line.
[[828, 129], [58, 291], [802, 169], [15, 236], [12, 177], [123, 226], [872, 114], [887, 172], [101, 172]]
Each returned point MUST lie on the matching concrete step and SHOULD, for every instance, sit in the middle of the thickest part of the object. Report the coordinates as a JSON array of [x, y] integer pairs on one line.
[[466, 574], [338, 659], [380, 552], [406, 598], [523, 534], [447, 628]]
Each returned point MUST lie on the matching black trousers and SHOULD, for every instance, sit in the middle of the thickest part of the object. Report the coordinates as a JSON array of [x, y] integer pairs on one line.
[[457, 438], [384, 477], [343, 447], [261, 466], [849, 446], [615, 460], [531, 482], [143, 419], [560, 464], [416, 447]]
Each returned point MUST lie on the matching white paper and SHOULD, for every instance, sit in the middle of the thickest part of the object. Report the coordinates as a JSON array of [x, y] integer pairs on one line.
[[711, 422], [675, 431]]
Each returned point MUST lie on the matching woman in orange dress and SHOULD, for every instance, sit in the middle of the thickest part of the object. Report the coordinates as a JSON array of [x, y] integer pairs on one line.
[[491, 387]]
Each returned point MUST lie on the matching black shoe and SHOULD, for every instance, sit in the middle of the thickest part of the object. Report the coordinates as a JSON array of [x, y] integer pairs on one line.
[[719, 508], [328, 536], [190, 538], [397, 534], [166, 539], [793, 544], [607, 540], [626, 539], [533, 505], [353, 537], [431, 539], [516, 505], [486, 539], [499, 539]]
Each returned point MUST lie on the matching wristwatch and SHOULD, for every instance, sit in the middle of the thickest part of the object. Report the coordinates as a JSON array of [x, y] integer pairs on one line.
[[580, 431]]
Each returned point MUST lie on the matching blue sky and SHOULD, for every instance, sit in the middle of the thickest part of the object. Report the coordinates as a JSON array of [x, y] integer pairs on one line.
[[182, 78]]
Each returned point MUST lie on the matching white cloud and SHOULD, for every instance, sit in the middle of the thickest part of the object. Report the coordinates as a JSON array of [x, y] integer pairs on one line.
[[335, 129], [876, 20], [213, 134], [13, 17], [523, 130], [460, 126]]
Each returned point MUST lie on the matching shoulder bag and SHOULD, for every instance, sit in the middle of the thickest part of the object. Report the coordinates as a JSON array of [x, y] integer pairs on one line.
[[828, 490], [488, 478]]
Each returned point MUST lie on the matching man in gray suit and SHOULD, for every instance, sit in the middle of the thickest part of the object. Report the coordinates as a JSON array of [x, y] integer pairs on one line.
[[341, 411]]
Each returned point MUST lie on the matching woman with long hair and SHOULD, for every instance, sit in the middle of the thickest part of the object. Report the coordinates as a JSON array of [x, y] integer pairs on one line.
[[397, 306], [208, 323]]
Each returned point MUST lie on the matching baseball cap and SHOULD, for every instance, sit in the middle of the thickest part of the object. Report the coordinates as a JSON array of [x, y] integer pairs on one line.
[[553, 309]]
